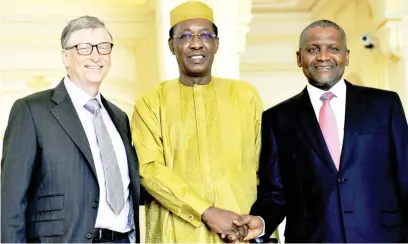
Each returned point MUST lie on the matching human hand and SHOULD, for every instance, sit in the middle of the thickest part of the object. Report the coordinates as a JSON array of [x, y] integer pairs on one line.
[[221, 221], [254, 224]]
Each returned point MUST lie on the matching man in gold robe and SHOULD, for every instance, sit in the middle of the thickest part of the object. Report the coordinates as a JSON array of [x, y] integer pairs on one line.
[[197, 139]]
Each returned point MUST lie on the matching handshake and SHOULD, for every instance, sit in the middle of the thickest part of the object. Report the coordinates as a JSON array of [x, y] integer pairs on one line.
[[231, 226]]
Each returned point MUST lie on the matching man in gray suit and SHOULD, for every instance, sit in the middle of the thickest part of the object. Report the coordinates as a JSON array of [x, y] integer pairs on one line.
[[69, 170]]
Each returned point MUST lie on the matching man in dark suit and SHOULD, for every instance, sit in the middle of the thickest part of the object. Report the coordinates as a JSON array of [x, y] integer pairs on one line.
[[69, 170], [354, 191]]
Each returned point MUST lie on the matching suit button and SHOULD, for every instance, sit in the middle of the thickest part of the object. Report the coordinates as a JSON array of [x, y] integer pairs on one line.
[[94, 204], [341, 180], [89, 236]]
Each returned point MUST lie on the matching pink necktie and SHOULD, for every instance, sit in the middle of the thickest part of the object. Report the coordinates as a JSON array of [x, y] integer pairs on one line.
[[328, 125]]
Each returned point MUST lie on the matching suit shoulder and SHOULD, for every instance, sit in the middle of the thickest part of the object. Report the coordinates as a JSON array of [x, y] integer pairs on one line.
[[285, 106], [115, 108], [38, 98], [376, 93], [373, 90]]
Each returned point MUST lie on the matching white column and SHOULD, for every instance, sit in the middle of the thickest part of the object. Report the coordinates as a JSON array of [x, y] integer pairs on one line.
[[167, 62], [404, 42], [227, 59]]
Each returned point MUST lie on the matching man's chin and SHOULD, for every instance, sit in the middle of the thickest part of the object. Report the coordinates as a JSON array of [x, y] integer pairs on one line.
[[197, 72], [95, 79], [324, 84]]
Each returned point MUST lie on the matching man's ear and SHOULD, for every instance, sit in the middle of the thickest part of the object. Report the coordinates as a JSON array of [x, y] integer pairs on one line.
[[65, 57], [299, 58], [217, 43], [347, 57], [171, 45]]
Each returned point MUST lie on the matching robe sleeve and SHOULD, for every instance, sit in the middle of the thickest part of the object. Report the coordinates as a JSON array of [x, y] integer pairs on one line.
[[166, 186], [257, 101]]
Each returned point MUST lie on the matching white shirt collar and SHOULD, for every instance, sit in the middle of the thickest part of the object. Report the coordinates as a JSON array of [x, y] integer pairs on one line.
[[78, 96], [339, 90]]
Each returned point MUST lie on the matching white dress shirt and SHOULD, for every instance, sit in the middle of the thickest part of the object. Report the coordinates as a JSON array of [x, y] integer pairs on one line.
[[338, 104], [106, 218]]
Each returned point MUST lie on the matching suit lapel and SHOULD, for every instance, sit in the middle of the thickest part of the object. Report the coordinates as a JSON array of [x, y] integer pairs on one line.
[[355, 104], [66, 115], [125, 138], [115, 120], [310, 128], [130, 155]]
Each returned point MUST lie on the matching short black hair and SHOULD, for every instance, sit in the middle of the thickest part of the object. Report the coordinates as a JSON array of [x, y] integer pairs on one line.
[[323, 23], [171, 31]]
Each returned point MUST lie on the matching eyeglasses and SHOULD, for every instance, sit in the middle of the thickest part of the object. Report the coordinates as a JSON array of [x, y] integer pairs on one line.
[[103, 48], [188, 37]]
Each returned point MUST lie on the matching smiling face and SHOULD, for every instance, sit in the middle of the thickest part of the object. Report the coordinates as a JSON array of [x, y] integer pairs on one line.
[[323, 55], [194, 56], [87, 70]]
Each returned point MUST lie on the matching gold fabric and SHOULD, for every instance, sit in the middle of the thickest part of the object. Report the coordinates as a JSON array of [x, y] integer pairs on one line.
[[197, 147], [190, 10]]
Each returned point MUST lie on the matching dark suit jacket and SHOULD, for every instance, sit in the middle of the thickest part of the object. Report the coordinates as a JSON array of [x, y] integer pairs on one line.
[[366, 201], [49, 189]]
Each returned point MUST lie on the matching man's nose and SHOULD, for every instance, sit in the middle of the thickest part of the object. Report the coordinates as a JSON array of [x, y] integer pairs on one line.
[[323, 55], [196, 42]]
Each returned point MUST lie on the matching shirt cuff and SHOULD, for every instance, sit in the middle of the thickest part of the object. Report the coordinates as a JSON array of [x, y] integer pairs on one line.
[[258, 239]]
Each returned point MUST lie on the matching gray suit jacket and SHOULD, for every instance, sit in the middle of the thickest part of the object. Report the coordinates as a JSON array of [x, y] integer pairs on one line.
[[49, 189]]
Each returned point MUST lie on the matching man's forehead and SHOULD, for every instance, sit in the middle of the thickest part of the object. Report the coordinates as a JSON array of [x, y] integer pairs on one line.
[[90, 35], [316, 32], [322, 34]]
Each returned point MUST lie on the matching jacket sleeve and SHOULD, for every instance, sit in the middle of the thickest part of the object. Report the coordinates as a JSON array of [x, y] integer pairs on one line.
[[399, 132], [17, 164], [270, 203], [166, 186]]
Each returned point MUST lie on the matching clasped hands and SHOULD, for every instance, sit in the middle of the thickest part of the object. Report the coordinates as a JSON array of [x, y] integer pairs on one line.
[[231, 226]]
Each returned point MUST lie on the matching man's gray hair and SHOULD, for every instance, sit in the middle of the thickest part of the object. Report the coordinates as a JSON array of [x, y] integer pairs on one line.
[[324, 23], [83, 22]]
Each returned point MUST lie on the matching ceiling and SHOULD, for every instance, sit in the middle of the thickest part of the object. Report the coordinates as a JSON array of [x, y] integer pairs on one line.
[[263, 6], [30, 10], [22, 5]]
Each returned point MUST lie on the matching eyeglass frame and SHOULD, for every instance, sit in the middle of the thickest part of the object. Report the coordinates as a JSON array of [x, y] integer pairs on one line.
[[178, 37], [96, 46]]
